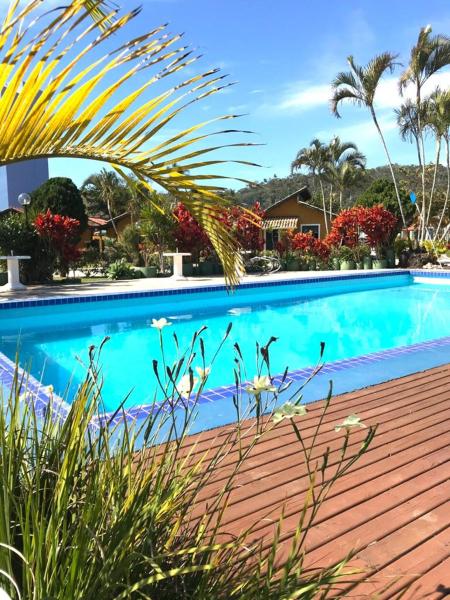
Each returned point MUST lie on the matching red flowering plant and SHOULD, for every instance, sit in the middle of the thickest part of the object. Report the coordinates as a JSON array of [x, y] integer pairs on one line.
[[346, 228], [310, 247], [379, 225], [59, 233], [189, 235], [247, 226]]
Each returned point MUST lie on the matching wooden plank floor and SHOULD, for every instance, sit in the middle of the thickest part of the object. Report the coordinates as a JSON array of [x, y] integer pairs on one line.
[[393, 506]]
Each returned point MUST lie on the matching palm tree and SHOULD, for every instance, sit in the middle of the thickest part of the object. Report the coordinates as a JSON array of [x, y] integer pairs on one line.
[[344, 165], [440, 121], [62, 95], [314, 158], [408, 124], [430, 54], [108, 190], [359, 86], [338, 176]]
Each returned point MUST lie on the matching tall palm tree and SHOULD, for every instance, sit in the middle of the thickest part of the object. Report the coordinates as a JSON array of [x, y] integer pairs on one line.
[[440, 119], [435, 121], [359, 86], [314, 158], [344, 165], [428, 56], [65, 92], [408, 124]]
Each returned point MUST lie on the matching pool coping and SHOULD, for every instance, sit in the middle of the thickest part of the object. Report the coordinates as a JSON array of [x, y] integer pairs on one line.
[[42, 396]]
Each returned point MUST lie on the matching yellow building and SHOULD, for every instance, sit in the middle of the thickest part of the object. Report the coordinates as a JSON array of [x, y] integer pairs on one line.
[[296, 214]]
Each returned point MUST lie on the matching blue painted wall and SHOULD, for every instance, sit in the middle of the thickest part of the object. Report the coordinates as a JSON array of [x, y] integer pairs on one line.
[[21, 177]]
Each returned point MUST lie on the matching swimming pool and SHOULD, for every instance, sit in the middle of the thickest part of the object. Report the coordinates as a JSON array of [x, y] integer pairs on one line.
[[355, 316]]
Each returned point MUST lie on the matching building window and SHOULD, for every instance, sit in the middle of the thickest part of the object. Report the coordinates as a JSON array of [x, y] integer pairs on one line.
[[314, 229]]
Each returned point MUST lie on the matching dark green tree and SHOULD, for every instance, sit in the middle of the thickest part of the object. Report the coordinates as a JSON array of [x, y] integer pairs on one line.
[[382, 191], [62, 197]]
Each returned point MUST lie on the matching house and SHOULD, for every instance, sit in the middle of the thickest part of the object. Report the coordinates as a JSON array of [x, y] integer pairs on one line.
[[294, 213], [99, 228]]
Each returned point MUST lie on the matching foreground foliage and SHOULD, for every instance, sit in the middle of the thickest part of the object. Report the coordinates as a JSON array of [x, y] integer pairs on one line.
[[66, 93], [94, 509]]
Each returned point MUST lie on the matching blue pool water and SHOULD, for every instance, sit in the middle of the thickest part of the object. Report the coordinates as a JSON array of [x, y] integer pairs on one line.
[[353, 318]]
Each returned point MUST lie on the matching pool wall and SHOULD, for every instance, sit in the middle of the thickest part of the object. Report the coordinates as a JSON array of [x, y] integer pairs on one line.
[[347, 375]]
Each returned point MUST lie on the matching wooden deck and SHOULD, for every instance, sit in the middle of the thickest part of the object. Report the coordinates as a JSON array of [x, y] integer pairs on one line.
[[394, 504]]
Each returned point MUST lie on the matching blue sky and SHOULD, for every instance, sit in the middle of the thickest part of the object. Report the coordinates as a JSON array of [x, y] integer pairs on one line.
[[283, 56]]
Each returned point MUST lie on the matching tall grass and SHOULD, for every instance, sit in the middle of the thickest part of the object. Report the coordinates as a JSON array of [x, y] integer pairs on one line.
[[95, 509]]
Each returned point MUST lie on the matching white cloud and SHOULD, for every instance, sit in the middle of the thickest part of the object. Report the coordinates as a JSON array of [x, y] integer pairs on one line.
[[304, 96], [361, 133]]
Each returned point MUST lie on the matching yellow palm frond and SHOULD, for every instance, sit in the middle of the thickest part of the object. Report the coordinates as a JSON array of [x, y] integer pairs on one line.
[[61, 96]]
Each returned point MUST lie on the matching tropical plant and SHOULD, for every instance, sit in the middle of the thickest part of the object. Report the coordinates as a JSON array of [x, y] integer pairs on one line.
[[88, 513], [60, 196], [359, 86], [106, 194], [314, 158], [428, 56], [121, 269], [59, 99]]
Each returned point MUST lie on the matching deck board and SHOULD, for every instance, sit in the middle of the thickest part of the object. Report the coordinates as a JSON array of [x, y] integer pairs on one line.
[[393, 506]]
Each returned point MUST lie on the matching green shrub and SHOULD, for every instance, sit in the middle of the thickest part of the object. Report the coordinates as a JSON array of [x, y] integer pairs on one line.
[[62, 197], [94, 510], [19, 237], [122, 270]]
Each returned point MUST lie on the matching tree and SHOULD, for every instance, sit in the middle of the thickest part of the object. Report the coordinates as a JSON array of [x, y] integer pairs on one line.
[[62, 197], [430, 54], [106, 193], [382, 191], [157, 224], [63, 96], [344, 165], [314, 158], [359, 86]]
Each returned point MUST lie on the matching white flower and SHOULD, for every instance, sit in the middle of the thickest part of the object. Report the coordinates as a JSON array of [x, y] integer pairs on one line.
[[185, 387], [350, 422], [261, 383], [288, 411], [160, 323], [203, 373]]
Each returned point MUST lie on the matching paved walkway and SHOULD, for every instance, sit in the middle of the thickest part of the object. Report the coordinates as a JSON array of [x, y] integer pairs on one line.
[[393, 506], [139, 285]]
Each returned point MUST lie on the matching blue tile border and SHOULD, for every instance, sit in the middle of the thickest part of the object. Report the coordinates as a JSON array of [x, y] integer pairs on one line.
[[33, 302], [39, 394]]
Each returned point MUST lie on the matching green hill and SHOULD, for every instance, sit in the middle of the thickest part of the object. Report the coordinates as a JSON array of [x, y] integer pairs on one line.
[[271, 190]]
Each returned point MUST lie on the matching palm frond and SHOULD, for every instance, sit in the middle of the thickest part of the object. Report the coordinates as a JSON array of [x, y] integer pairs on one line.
[[341, 94], [51, 106]]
